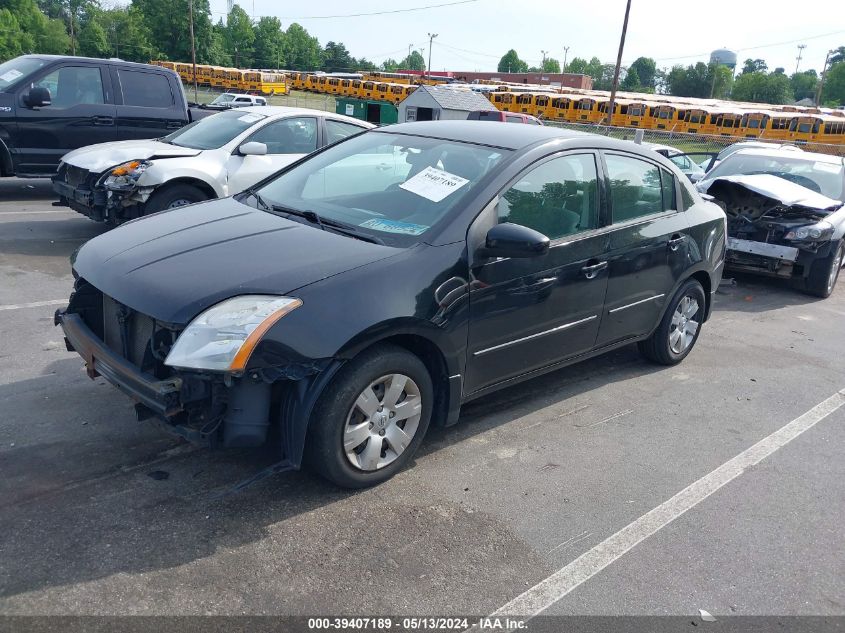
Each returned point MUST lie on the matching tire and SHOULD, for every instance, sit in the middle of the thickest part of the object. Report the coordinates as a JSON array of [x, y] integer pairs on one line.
[[824, 272], [172, 196], [673, 339], [354, 449]]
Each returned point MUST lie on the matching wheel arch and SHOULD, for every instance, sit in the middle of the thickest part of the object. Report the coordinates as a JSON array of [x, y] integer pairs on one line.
[[7, 167], [200, 184], [298, 406]]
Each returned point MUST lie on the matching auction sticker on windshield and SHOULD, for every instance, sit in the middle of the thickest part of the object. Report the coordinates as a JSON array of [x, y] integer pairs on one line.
[[393, 226], [250, 118], [11, 75], [433, 184]]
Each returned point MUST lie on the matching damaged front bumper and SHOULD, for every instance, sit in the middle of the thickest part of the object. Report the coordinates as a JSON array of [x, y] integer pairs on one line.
[[772, 259], [87, 196]]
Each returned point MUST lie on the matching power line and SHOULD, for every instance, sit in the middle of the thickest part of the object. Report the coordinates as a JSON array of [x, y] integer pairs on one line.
[[372, 13], [753, 48]]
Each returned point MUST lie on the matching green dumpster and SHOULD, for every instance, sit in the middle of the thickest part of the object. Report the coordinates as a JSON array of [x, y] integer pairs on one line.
[[378, 112]]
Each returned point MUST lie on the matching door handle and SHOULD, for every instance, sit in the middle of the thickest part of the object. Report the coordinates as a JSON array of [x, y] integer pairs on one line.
[[103, 120], [592, 270], [675, 241]]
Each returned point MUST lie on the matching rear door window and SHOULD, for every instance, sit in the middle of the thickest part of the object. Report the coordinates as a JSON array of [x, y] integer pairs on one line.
[[145, 89], [636, 189], [339, 130]]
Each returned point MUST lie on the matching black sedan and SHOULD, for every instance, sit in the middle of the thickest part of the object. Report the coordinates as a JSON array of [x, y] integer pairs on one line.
[[377, 285]]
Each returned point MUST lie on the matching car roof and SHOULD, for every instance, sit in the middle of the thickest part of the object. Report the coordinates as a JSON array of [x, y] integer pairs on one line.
[[658, 146], [810, 157], [279, 111], [505, 136]]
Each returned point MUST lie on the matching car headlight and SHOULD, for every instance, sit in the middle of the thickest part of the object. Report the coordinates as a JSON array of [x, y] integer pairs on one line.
[[815, 232], [223, 337], [125, 176]]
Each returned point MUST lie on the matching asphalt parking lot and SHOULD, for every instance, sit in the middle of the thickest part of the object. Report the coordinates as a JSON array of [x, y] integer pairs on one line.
[[102, 514]]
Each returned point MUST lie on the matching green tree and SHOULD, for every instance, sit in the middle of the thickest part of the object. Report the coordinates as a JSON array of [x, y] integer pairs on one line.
[[414, 61], [336, 58], [511, 63], [761, 87], [166, 21], [365, 64], [389, 65], [631, 83], [754, 66], [240, 37], [722, 83], [218, 55], [577, 66], [551, 65], [303, 50], [834, 85], [269, 43], [10, 35], [690, 81], [803, 85], [36, 32], [92, 38], [837, 56], [646, 69]]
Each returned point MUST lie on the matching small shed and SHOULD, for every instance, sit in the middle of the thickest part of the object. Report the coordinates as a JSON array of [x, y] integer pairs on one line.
[[378, 112], [433, 103]]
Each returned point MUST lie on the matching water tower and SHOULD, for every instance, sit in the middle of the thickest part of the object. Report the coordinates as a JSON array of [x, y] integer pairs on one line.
[[724, 57]]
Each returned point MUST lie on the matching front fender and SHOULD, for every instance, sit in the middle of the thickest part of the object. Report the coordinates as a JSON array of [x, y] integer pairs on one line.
[[201, 168]]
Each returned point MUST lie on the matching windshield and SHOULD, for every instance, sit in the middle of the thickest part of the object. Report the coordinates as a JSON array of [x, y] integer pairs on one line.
[[17, 70], [390, 186], [224, 98], [215, 131], [822, 177]]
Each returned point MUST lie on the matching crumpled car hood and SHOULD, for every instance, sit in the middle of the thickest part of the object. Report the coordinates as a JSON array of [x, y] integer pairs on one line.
[[174, 264], [784, 191], [98, 158]]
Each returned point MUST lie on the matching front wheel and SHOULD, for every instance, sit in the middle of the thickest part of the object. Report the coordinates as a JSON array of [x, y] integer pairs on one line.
[[371, 419], [173, 196], [825, 272], [679, 328]]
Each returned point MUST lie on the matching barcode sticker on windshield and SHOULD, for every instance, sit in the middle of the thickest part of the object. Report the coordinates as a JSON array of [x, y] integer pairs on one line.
[[394, 226], [433, 184], [11, 75]]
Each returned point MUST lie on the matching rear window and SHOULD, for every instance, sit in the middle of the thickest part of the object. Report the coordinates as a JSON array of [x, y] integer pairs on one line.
[[145, 89]]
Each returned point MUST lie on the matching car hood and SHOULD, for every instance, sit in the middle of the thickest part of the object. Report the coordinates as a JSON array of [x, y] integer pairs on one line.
[[788, 193], [174, 264], [98, 158]]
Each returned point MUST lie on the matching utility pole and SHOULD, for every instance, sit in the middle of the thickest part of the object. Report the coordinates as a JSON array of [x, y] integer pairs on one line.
[[565, 54], [821, 80], [409, 55], [612, 103], [801, 48], [72, 38], [193, 45], [431, 37], [543, 65]]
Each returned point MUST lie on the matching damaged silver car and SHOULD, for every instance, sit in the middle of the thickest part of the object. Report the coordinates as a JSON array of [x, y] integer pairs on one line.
[[786, 216]]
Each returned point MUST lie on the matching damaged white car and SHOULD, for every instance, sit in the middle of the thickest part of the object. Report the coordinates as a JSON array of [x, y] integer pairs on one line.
[[786, 214], [215, 157]]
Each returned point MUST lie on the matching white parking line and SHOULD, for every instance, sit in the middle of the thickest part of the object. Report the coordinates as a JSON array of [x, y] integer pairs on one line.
[[34, 304], [41, 212], [544, 594]]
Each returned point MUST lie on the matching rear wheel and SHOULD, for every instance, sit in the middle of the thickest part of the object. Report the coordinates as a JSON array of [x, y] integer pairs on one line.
[[172, 196], [825, 272], [371, 419], [679, 328]]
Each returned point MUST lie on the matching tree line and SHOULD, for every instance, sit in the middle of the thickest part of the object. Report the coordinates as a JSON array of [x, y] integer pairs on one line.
[[158, 29], [754, 82]]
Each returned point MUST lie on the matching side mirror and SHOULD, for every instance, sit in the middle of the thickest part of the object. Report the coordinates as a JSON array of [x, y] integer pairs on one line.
[[253, 148], [514, 240], [37, 97]]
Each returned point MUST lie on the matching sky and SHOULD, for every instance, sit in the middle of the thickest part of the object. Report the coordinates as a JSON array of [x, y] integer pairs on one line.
[[473, 35]]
